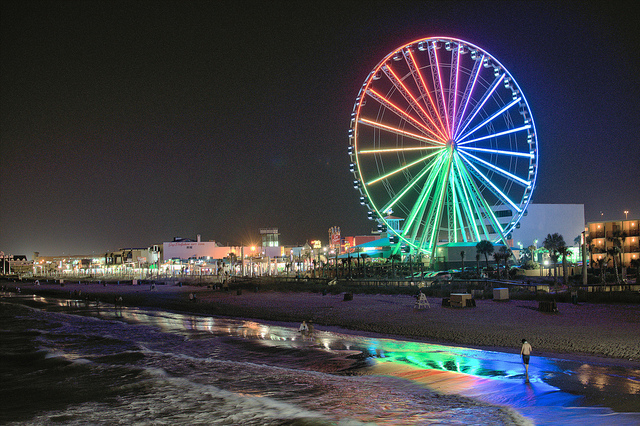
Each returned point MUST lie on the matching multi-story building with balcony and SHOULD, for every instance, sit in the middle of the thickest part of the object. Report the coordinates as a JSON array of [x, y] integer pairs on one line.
[[602, 232]]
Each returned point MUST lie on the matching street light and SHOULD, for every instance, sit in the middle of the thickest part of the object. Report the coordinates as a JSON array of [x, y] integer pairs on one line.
[[626, 213]]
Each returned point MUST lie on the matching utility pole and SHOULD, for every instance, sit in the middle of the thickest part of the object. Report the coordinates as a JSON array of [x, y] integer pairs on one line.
[[584, 258]]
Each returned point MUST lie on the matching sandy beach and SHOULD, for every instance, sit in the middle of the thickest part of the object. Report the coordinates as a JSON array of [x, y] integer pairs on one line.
[[607, 331]]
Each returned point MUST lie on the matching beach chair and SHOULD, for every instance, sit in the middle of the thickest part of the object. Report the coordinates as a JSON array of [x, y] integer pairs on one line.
[[422, 302]]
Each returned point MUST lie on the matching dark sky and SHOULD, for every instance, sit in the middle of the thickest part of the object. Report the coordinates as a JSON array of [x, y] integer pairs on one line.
[[129, 123]]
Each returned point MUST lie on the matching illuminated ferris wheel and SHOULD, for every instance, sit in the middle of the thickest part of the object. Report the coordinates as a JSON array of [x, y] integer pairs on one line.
[[443, 138]]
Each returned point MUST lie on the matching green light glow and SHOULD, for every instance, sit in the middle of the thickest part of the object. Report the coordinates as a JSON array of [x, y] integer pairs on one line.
[[408, 186], [420, 160]]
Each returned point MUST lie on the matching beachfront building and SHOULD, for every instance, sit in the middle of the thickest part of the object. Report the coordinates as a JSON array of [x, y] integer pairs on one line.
[[14, 264], [185, 249], [139, 261], [197, 257], [67, 265], [601, 233]]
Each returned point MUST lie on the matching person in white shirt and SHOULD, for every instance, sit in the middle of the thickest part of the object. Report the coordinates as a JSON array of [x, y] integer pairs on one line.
[[303, 328]]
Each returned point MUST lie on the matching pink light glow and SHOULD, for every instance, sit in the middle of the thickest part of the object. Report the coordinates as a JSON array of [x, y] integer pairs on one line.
[[399, 131], [399, 112], [395, 76], [455, 92], [444, 103], [433, 104]]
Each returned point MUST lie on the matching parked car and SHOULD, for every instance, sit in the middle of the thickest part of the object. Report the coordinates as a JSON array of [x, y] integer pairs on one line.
[[443, 275]]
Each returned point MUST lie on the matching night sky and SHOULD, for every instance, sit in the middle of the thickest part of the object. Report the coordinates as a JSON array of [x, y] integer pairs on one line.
[[126, 124]]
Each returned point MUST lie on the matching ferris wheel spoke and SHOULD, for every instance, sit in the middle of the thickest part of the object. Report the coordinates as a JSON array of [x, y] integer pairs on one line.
[[491, 118], [385, 176], [451, 203], [410, 185], [464, 195], [460, 217], [464, 214], [466, 97], [432, 226], [495, 168], [456, 222], [433, 220], [400, 113], [412, 225], [495, 135], [401, 132], [437, 82], [421, 203], [411, 100], [453, 82], [498, 229], [497, 151], [425, 94], [484, 100], [496, 191], [478, 211], [387, 150], [475, 210]]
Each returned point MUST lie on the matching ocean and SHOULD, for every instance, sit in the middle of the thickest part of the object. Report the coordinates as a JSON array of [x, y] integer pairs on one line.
[[65, 361]]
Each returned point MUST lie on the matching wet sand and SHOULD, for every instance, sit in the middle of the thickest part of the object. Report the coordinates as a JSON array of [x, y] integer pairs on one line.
[[608, 332]]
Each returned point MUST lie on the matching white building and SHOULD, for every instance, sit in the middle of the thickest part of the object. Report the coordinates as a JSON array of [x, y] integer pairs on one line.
[[188, 249], [543, 219]]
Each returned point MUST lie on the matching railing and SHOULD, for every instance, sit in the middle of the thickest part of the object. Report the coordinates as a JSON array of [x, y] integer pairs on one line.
[[454, 285]]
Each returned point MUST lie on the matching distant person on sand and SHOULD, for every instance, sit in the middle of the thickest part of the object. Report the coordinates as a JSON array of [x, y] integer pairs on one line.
[[525, 352], [310, 328], [304, 329]]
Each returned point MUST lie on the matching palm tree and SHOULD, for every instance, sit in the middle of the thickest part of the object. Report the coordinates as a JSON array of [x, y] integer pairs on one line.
[[589, 244], [485, 247], [364, 257], [233, 258], [462, 253], [602, 263], [505, 254], [614, 252], [564, 251], [532, 251], [496, 258], [394, 257], [618, 238], [553, 243], [478, 263]]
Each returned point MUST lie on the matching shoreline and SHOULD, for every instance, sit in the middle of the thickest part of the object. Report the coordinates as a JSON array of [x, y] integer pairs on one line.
[[594, 333]]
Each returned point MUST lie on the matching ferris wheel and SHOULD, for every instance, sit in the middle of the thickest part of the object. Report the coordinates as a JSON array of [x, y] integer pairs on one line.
[[442, 142]]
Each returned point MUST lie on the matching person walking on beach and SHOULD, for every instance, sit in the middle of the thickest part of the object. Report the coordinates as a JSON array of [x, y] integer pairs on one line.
[[525, 352]]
